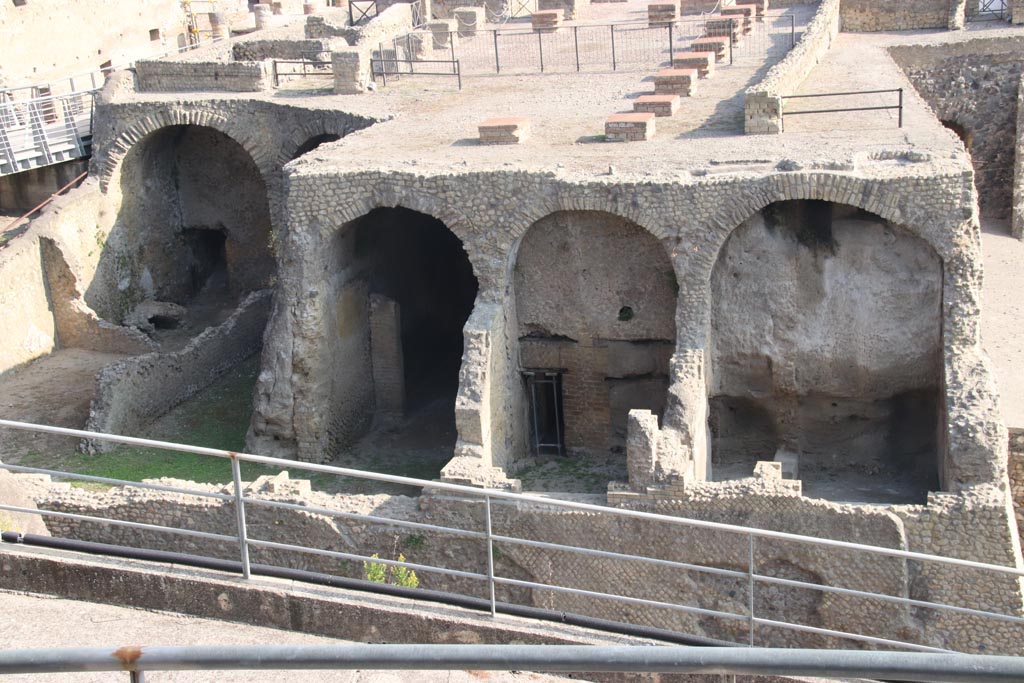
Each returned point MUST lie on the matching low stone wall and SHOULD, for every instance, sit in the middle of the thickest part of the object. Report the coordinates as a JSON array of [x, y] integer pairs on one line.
[[871, 15], [393, 21], [28, 330], [1016, 471], [258, 50], [763, 101], [969, 525], [132, 392], [214, 76]]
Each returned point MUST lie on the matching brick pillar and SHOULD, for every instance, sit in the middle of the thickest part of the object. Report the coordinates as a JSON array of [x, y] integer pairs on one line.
[[762, 113], [351, 71], [1017, 11]]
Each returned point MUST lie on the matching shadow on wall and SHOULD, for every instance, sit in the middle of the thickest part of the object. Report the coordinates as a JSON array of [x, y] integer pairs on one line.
[[826, 353], [595, 299]]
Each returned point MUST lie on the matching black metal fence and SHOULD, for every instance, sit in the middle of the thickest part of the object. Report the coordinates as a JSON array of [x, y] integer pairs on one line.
[[898, 106], [285, 69], [397, 68], [586, 47]]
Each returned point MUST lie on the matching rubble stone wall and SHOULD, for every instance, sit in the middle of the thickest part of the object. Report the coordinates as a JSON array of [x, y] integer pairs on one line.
[[969, 526], [868, 15], [188, 76], [975, 85]]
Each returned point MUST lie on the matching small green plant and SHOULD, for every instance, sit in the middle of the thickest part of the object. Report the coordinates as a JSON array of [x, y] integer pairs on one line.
[[414, 542], [6, 523], [378, 572]]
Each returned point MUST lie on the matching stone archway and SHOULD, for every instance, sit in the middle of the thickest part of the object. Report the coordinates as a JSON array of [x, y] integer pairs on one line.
[[826, 352]]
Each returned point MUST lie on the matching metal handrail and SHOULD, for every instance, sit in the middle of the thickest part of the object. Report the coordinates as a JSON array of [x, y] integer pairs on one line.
[[898, 106], [491, 497], [135, 660]]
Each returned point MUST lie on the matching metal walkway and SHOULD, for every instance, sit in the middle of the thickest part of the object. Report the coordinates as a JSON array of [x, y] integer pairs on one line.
[[44, 129]]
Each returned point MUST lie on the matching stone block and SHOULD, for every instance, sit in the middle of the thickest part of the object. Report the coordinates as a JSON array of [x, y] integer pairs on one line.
[[468, 20], [351, 71], [261, 12], [444, 33], [547, 21], [719, 45], [682, 82], [659, 105], [662, 13], [509, 130], [629, 127], [744, 14], [703, 62]]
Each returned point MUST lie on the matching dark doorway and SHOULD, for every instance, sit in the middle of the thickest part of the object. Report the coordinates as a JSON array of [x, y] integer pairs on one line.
[[544, 392], [314, 142]]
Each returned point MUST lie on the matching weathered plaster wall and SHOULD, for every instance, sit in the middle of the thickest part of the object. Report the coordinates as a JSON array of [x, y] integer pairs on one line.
[[826, 325], [47, 39], [762, 101], [132, 392], [42, 277], [970, 526], [975, 85]]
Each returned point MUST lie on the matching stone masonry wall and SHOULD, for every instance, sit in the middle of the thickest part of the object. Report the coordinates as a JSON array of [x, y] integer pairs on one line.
[[188, 76], [913, 195], [870, 15], [975, 85], [970, 526], [762, 101], [1016, 472], [132, 392]]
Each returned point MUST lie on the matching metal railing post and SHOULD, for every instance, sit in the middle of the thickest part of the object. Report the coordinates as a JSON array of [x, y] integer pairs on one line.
[[901, 109], [490, 556], [750, 584], [540, 48], [243, 538], [497, 62], [273, 68], [614, 65], [576, 44], [792, 31], [458, 72], [136, 676], [671, 51]]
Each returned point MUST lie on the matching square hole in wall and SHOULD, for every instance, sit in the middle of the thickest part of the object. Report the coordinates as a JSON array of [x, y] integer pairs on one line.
[[20, 3], [154, 34]]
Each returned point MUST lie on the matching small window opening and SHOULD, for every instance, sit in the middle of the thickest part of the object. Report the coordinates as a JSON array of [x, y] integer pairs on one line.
[[154, 34], [626, 314], [164, 322], [544, 388]]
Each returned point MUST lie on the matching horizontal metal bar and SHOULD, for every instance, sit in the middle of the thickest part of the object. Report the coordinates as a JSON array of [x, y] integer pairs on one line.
[[839, 94], [622, 556], [887, 598], [121, 522], [364, 558], [904, 666], [827, 111], [120, 482], [369, 518], [415, 73], [498, 495], [385, 60], [623, 598], [848, 636]]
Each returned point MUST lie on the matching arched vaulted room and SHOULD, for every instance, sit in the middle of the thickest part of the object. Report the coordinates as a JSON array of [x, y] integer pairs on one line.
[[402, 288], [826, 353], [194, 226], [595, 298]]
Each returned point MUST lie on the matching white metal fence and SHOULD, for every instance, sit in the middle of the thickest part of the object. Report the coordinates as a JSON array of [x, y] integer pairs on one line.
[[751, 576]]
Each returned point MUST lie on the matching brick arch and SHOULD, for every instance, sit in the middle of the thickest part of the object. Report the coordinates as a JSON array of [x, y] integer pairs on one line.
[[619, 205], [262, 155]]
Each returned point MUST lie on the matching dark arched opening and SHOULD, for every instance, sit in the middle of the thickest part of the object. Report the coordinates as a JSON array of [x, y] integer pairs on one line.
[[960, 131], [314, 142], [403, 290], [193, 228], [826, 353]]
